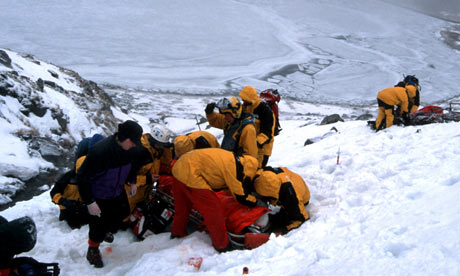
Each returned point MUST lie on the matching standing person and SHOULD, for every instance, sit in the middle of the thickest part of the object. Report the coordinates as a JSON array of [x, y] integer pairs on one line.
[[265, 123], [286, 189], [195, 140], [101, 179], [387, 99], [238, 126], [201, 172]]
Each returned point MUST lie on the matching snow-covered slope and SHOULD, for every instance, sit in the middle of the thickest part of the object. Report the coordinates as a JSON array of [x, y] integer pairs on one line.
[[390, 207], [44, 111]]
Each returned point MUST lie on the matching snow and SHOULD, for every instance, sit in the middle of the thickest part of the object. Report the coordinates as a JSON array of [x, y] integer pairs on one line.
[[388, 208], [331, 51]]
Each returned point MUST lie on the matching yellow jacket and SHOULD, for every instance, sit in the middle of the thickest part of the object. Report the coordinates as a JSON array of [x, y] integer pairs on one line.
[[217, 169], [157, 158], [275, 183], [247, 140], [265, 122], [395, 96], [194, 140]]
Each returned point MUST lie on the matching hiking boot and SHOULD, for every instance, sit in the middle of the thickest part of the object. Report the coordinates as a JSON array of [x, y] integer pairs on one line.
[[108, 237], [94, 257]]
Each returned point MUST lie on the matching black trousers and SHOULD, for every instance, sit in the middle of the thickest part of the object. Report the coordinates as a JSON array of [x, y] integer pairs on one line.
[[113, 211]]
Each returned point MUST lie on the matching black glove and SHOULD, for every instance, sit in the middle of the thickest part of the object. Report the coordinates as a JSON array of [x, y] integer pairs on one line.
[[68, 204], [210, 108], [406, 118]]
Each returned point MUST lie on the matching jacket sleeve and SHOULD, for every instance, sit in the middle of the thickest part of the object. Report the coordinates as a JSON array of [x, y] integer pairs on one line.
[[216, 120], [238, 190], [248, 140]]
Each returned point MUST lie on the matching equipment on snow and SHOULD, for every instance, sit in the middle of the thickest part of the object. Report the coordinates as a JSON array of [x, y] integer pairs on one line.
[[155, 216], [272, 97]]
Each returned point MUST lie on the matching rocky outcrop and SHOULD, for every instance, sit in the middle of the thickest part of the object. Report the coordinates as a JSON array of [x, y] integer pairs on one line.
[[47, 110]]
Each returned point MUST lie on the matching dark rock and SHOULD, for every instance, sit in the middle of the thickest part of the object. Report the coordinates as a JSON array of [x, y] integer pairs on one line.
[[5, 59], [54, 74], [365, 117], [334, 118], [50, 84], [40, 84]]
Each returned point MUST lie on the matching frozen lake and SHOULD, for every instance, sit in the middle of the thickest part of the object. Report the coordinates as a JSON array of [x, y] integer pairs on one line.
[[318, 51]]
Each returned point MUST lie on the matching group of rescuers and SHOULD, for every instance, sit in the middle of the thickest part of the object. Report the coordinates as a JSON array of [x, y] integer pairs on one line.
[[112, 174]]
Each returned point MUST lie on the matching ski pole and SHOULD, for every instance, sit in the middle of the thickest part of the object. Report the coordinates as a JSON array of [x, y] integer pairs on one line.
[[338, 156], [198, 124]]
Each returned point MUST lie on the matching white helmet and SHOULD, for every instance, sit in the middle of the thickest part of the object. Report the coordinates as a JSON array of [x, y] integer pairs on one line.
[[161, 135]]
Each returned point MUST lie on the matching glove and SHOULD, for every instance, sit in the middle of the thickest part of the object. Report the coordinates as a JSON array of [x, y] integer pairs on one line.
[[68, 204], [210, 108], [94, 210], [132, 190], [405, 117]]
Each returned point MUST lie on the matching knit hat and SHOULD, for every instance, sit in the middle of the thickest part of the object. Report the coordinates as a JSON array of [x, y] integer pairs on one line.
[[131, 130]]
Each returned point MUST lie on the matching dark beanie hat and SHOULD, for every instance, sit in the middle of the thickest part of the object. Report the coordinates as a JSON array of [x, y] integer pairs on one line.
[[131, 130]]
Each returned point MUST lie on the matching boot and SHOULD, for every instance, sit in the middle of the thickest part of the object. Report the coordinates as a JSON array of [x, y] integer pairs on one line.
[[108, 237], [94, 257]]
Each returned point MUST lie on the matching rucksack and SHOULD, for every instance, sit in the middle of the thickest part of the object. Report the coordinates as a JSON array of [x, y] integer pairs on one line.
[[272, 97]]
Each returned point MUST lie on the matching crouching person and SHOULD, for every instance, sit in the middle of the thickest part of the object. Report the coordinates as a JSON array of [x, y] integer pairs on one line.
[[195, 140], [71, 207], [101, 179], [286, 189], [200, 173]]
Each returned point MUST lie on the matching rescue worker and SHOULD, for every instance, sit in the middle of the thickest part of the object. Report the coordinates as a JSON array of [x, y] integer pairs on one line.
[[195, 140], [101, 179], [65, 191], [202, 172], [286, 189], [71, 207], [155, 155], [388, 98], [238, 126], [265, 122]]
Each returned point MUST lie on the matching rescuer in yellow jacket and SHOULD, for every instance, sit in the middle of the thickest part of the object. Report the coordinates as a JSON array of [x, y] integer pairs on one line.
[[286, 189], [265, 122], [387, 99], [202, 172], [238, 126], [195, 140], [155, 155]]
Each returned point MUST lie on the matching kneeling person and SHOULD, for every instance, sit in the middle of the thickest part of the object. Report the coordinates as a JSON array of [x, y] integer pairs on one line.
[[202, 172], [287, 190]]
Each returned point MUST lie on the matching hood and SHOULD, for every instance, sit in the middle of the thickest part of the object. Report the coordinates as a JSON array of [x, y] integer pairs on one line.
[[182, 144], [249, 94]]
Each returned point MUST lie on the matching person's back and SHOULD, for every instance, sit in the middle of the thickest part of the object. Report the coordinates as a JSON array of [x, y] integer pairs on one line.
[[195, 140]]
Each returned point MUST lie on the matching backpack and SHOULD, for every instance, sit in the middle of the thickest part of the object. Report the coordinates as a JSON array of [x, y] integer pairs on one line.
[[427, 115], [272, 97]]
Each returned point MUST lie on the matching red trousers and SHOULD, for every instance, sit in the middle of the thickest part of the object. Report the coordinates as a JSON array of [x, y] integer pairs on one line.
[[208, 204]]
